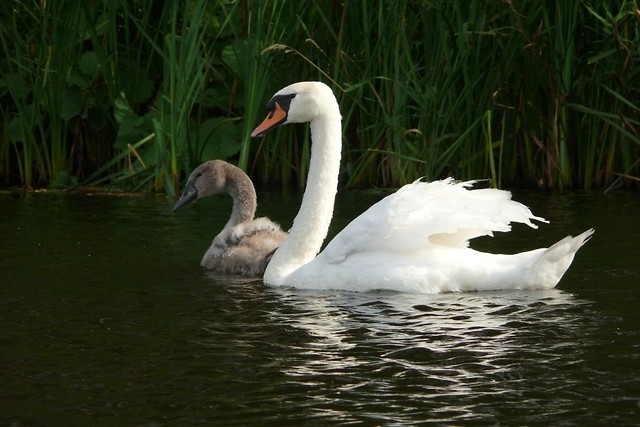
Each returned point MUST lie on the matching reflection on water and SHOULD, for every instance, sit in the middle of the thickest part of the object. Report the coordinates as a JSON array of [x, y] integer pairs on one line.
[[107, 318], [454, 355]]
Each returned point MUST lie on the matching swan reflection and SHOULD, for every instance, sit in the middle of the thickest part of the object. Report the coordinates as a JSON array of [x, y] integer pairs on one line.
[[446, 355], [450, 338]]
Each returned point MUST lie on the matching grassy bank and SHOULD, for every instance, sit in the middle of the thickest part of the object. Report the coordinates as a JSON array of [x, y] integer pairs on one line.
[[134, 94]]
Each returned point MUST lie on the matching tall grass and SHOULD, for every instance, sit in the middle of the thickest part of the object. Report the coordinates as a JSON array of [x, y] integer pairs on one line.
[[45, 80], [469, 90], [136, 93], [262, 25]]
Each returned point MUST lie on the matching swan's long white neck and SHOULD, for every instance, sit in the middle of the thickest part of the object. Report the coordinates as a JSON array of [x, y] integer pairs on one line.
[[311, 225]]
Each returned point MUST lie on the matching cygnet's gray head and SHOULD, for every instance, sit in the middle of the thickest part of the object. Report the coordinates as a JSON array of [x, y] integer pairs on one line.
[[208, 179]]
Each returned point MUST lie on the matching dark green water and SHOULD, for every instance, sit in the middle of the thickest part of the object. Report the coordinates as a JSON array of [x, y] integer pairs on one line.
[[107, 319]]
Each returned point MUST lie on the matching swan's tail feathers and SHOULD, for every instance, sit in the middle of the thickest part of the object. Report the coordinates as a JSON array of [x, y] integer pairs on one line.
[[555, 260], [570, 244]]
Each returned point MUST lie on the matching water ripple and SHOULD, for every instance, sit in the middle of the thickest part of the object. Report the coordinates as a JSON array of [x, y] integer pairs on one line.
[[452, 354], [107, 318]]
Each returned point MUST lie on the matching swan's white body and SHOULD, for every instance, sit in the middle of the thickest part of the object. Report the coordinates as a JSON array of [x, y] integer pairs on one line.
[[415, 240]]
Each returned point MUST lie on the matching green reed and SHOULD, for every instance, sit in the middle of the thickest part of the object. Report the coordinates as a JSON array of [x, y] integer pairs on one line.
[[42, 80], [136, 94], [264, 25]]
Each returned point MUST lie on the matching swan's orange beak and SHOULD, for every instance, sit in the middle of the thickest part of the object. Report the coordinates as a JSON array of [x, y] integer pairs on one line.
[[274, 118]]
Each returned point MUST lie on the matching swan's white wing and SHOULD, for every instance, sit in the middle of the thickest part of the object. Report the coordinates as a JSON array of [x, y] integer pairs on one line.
[[423, 214]]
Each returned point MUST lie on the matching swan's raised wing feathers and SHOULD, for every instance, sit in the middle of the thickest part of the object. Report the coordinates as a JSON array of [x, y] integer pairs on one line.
[[423, 214]]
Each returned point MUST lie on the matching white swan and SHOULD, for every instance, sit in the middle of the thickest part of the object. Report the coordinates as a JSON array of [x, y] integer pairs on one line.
[[415, 240], [245, 245]]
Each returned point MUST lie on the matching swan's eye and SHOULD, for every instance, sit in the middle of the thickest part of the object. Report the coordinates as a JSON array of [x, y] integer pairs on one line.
[[293, 95]]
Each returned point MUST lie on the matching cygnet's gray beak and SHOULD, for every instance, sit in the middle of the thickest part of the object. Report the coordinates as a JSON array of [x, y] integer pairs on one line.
[[189, 194]]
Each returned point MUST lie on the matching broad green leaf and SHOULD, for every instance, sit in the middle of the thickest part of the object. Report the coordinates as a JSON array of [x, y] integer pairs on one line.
[[89, 64], [71, 103], [220, 138]]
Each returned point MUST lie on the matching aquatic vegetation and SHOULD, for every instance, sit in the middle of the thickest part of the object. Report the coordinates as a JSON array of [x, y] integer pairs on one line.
[[136, 93]]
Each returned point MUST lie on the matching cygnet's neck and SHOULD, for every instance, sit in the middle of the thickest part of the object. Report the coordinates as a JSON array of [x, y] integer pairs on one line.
[[240, 188], [311, 224]]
